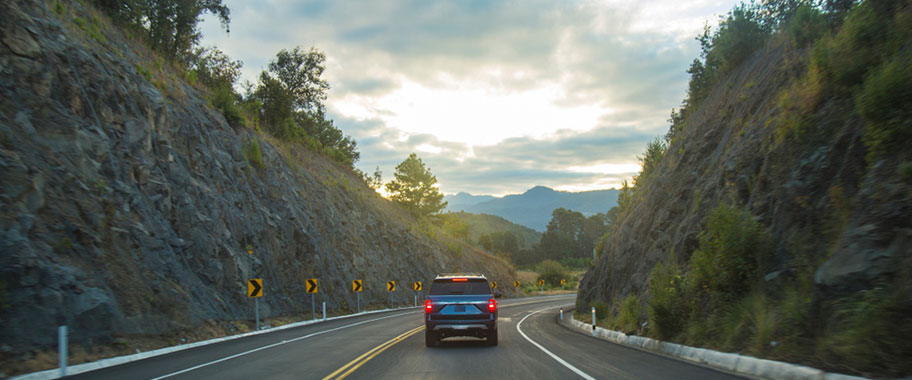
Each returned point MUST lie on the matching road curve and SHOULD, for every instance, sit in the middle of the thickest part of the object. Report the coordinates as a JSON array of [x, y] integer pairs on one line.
[[391, 346]]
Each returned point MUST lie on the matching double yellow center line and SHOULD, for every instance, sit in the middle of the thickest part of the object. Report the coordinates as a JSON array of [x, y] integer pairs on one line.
[[347, 369]]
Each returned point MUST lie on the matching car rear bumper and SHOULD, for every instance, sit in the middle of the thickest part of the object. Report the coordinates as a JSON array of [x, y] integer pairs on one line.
[[461, 328]]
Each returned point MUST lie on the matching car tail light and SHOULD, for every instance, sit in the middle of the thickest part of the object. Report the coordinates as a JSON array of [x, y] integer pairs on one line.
[[460, 279], [492, 305], [428, 307]]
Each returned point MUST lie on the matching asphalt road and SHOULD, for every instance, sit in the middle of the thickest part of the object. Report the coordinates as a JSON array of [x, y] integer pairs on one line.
[[391, 346]]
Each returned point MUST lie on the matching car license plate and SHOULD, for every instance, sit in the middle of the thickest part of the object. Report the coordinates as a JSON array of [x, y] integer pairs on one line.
[[459, 308]]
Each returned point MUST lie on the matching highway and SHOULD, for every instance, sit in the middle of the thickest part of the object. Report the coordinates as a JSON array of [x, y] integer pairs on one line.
[[390, 345]]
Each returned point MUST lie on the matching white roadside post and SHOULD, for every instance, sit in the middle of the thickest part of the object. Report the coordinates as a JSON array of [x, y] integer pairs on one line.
[[562, 313], [62, 348], [324, 310], [593, 321]]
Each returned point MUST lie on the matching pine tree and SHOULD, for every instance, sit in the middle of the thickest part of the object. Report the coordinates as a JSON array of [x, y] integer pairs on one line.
[[414, 188]]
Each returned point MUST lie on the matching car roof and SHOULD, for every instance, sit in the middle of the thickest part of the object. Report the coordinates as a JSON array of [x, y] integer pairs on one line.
[[447, 276]]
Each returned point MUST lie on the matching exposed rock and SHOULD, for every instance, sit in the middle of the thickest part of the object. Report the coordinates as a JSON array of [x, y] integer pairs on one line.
[[141, 225]]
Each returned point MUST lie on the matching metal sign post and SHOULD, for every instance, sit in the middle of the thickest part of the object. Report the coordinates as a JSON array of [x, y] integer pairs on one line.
[[357, 288], [312, 289], [255, 290]]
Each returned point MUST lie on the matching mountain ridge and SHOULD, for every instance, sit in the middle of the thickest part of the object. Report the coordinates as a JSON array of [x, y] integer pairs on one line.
[[533, 207]]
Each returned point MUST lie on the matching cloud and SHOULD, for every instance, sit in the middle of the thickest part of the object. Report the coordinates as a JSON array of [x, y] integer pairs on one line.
[[496, 96]]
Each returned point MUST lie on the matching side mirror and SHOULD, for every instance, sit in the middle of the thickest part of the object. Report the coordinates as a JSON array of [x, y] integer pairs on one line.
[[498, 294]]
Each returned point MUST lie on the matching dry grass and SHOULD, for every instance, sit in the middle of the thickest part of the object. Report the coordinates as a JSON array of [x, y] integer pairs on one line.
[[526, 276]]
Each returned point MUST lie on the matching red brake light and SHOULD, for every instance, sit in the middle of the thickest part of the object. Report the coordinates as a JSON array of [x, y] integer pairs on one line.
[[492, 305], [428, 307], [460, 279]]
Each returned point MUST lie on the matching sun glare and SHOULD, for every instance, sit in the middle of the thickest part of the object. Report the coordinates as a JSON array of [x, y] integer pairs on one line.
[[472, 113]]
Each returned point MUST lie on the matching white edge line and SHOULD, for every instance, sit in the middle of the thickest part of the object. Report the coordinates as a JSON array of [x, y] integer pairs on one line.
[[54, 373], [545, 350], [110, 362], [274, 345]]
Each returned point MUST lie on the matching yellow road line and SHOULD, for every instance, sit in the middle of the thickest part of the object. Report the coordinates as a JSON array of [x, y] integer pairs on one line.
[[358, 362]]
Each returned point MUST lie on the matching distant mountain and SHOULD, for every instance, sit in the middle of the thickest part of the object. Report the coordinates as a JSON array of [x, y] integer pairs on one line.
[[533, 208], [481, 224], [461, 200]]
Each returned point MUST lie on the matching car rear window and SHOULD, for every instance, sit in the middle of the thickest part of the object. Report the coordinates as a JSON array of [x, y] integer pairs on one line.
[[450, 287]]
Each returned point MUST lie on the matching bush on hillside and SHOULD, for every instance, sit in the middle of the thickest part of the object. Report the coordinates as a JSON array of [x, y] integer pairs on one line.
[[885, 102], [733, 253], [552, 272]]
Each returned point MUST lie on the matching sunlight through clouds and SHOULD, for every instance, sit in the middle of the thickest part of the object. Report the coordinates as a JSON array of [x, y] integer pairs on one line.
[[496, 97], [473, 113]]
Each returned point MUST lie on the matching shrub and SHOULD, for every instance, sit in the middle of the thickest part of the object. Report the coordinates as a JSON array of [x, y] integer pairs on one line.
[[807, 25], [600, 245], [885, 103], [666, 310], [628, 317], [225, 101], [254, 154], [871, 328], [552, 272], [734, 249], [602, 311]]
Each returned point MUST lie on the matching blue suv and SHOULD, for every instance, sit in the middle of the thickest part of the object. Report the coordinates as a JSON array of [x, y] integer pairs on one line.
[[460, 305]]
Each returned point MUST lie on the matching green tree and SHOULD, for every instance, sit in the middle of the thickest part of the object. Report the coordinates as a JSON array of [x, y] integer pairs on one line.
[[214, 68], [300, 72], [169, 26], [375, 181], [414, 187]]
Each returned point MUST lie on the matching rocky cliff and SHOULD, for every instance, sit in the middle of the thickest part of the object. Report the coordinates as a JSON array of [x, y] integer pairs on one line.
[[131, 207], [837, 275]]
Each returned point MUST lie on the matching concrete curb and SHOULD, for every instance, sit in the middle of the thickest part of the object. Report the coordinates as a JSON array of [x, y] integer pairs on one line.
[[104, 363], [739, 364]]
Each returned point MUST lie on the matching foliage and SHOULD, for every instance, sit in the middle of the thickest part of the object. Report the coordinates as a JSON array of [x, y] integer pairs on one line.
[[570, 235], [254, 154], [375, 181], [291, 96], [455, 226], [600, 245], [628, 318], [300, 73], [871, 326], [734, 250], [224, 100], [213, 68], [667, 310], [602, 310], [501, 241], [168, 26], [552, 272], [415, 188], [885, 103], [807, 25], [655, 150]]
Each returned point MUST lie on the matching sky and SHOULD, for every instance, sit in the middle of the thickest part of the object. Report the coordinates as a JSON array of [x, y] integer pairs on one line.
[[494, 96]]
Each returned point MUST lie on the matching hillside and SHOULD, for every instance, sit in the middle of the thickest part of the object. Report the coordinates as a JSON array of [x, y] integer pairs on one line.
[[534, 207], [481, 224], [131, 208], [776, 221], [462, 200]]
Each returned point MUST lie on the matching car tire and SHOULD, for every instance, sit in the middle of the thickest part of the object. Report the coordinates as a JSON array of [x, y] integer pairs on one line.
[[492, 338], [430, 339]]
